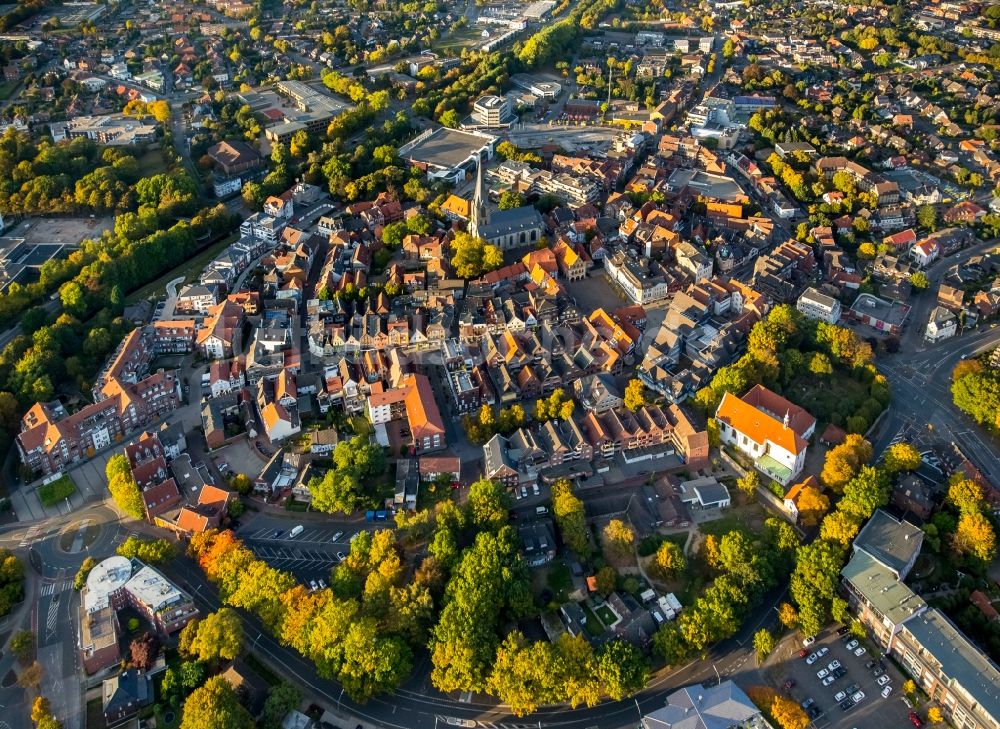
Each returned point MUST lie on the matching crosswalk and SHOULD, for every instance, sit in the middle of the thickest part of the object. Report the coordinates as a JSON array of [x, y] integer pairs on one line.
[[52, 618], [52, 588], [29, 536]]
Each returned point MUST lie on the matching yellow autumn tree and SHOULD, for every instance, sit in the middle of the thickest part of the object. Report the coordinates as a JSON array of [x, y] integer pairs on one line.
[[812, 505]]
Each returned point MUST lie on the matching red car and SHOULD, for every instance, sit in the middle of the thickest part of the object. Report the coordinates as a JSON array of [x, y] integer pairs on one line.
[[789, 684], [803, 653], [915, 720]]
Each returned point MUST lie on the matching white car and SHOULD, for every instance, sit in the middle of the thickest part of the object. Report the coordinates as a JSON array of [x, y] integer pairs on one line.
[[860, 651], [886, 691], [809, 641], [883, 680], [341, 556], [834, 665], [840, 696], [811, 659], [852, 645], [858, 697], [313, 585], [517, 494], [337, 537], [322, 583], [822, 673], [534, 488], [829, 679], [822, 651]]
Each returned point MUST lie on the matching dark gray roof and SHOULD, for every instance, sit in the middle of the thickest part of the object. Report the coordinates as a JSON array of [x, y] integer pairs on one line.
[[893, 542], [507, 222]]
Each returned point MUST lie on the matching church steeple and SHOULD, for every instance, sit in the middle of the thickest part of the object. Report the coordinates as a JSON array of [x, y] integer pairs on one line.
[[479, 215]]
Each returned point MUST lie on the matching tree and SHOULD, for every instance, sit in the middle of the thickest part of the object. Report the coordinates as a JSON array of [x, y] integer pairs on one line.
[[788, 615], [621, 669], [843, 461], [215, 705], [669, 560], [840, 527], [620, 537], [219, 636], [749, 483], [123, 487], [635, 395], [81, 575], [283, 698], [819, 365], [471, 257], [909, 687], [668, 643], [919, 281], [812, 505], [31, 677], [935, 716], [927, 217], [151, 551], [763, 644], [966, 495], [143, 651], [449, 118], [901, 457], [22, 645], [975, 537], [606, 579], [866, 492], [571, 517], [510, 200], [867, 251], [488, 504]]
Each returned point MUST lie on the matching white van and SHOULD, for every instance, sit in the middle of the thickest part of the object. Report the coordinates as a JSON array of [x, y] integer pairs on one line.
[[541, 511], [295, 532]]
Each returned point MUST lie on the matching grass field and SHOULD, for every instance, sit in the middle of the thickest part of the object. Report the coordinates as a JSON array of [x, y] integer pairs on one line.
[[462, 38], [52, 493], [151, 163], [190, 270], [607, 617]]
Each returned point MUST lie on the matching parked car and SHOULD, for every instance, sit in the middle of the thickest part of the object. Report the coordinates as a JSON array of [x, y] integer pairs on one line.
[[277, 533], [852, 645], [337, 537], [829, 680], [809, 641], [886, 691], [803, 653], [883, 680], [842, 630], [814, 711], [858, 697], [846, 704], [860, 651], [852, 688], [877, 672], [915, 720], [807, 703], [789, 684], [341, 556], [811, 659], [839, 696], [822, 652], [834, 665], [870, 665], [313, 585], [840, 672], [823, 673]]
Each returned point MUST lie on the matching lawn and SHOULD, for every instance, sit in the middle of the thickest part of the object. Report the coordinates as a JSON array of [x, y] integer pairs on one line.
[[719, 527], [190, 269], [560, 581], [461, 38], [593, 624], [607, 617], [51, 494], [151, 163]]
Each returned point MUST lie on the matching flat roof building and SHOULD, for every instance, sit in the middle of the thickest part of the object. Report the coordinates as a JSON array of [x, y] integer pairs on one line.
[[448, 154]]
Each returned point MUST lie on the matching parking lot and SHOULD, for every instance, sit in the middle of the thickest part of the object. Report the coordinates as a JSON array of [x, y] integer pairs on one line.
[[871, 711], [310, 555]]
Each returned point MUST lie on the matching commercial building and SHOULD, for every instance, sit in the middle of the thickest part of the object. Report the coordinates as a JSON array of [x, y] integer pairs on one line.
[[112, 130], [954, 672], [448, 154], [538, 86], [769, 429], [885, 316], [492, 111], [696, 707], [634, 278], [816, 305], [118, 582]]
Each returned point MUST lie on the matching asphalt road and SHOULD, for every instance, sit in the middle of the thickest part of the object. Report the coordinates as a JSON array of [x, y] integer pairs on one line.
[[921, 396]]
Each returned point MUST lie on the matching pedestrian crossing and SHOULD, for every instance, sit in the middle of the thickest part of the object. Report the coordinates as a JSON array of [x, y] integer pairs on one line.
[[52, 618], [52, 588], [29, 536]]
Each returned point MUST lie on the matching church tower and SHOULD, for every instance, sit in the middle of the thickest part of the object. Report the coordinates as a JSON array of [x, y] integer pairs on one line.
[[479, 214]]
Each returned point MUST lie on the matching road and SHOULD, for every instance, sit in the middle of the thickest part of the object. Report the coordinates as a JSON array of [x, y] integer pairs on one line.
[[921, 397]]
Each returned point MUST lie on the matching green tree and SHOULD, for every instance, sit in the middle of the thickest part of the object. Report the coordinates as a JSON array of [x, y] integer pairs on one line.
[[283, 698], [927, 217], [22, 645], [571, 517], [621, 669], [901, 457], [619, 537], [919, 281], [669, 560], [215, 705], [488, 504], [510, 200], [763, 644], [81, 575], [219, 636], [449, 118], [748, 483], [123, 487], [151, 551]]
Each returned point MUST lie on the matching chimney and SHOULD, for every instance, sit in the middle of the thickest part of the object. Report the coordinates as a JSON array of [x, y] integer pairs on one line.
[[786, 419]]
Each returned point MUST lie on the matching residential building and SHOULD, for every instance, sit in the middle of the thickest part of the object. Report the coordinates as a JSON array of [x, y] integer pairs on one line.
[[492, 111], [767, 428], [816, 305], [941, 324], [635, 278], [125, 695]]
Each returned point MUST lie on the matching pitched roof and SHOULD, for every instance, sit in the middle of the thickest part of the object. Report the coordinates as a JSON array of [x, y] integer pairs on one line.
[[755, 415]]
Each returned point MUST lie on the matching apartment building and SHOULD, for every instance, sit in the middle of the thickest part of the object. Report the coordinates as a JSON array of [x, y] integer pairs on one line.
[[816, 305], [635, 280]]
